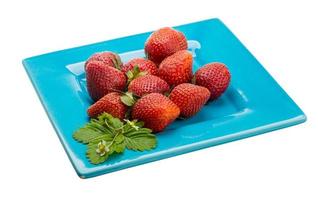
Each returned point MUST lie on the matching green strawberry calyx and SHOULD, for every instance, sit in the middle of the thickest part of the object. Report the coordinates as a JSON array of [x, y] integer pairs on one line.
[[134, 73], [128, 99], [117, 62], [193, 80]]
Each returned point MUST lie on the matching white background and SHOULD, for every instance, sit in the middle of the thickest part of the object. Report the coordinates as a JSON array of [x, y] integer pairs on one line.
[[278, 165]]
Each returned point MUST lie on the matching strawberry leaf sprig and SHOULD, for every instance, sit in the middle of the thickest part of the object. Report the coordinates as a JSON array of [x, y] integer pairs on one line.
[[107, 135]]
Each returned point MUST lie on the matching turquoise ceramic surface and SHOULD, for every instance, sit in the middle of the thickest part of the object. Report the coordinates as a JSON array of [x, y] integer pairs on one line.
[[253, 104]]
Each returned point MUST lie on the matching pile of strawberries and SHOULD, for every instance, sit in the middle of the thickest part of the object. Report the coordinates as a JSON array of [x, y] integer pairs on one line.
[[157, 89]]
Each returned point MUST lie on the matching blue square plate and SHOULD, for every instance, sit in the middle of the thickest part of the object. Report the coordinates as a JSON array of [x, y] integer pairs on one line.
[[253, 104]]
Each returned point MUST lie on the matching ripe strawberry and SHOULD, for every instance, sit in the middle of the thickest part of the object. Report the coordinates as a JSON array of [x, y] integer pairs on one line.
[[189, 98], [102, 79], [214, 76], [164, 42], [108, 58], [148, 84], [156, 111], [177, 68], [110, 104], [143, 64]]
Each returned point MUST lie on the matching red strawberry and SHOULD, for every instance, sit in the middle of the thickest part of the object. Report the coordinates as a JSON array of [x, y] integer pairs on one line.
[[148, 84], [110, 104], [164, 42], [156, 111], [143, 64], [108, 58], [177, 68], [189, 98], [214, 76], [102, 79]]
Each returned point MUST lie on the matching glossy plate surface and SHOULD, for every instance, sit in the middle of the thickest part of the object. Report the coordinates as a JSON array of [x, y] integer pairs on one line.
[[253, 104]]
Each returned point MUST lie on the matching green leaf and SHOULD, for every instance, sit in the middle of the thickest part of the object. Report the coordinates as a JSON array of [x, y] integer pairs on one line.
[[109, 122], [116, 123], [104, 116], [98, 127], [133, 132], [107, 135], [100, 149], [93, 129], [85, 135], [118, 148], [93, 156], [119, 139], [132, 125], [127, 127], [140, 140], [140, 124]]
